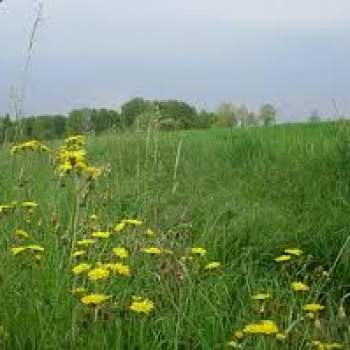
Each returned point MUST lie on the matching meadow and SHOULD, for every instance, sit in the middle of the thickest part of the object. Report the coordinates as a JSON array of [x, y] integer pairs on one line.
[[179, 240]]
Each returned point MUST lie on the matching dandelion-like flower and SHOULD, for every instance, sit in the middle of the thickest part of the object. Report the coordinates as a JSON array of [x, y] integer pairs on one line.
[[141, 305], [22, 234], [18, 250], [98, 273], [266, 327], [95, 299], [133, 222], [294, 251], [152, 250], [314, 307], [81, 268], [35, 248], [283, 258], [121, 252], [78, 253], [261, 296], [212, 266], [119, 227], [299, 287], [198, 251], [101, 234], [85, 242]]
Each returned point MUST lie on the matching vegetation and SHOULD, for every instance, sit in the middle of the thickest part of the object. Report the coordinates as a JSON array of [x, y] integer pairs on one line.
[[140, 114], [181, 240]]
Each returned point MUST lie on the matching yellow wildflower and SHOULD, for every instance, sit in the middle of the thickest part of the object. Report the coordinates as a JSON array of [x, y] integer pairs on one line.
[[212, 266], [5, 209], [299, 287], [294, 251], [263, 327], [123, 270], [325, 346], [98, 273], [85, 242], [119, 227], [283, 258], [78, 253], [29, 205], [133, 222], [313, 307], [18, 250], [261, 296], [152, 250], [95, 299], [198, 251], [22, 233], [80, 268], [101, 234], [35, 248], [121, 252], [142, 306]]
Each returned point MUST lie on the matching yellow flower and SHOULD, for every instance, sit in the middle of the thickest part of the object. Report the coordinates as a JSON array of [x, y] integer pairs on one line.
[[142, 306], [149, 232], [123, 270], [5, 209], [120, 252], [18, 250], [133, 222], [80, 268], [263, 327], [119, 227], [299, 287], [313, 307], [35, 248], [198, 251], [283, 258], [101, 234], [294, 251], [98, 273], [95, 299], [78, 253], [212, 266], [92, 172], [261, 296], [152, 251], [29, 205], [85, 242], [22, 233]]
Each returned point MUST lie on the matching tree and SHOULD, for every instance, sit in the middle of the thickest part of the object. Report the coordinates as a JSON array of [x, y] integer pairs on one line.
[[267, 114], [314, 117], [242, 114], [133, 108], [79, 121], [252, 119], [226, 115]]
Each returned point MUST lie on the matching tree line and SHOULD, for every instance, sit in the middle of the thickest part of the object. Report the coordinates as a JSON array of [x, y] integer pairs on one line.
[[136, 114]]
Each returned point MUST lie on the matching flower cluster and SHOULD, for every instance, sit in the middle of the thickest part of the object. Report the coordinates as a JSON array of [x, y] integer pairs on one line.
[[72, 157], [29, 146]]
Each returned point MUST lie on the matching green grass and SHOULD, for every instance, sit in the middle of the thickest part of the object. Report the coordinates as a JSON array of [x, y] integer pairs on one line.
[[244, 195]]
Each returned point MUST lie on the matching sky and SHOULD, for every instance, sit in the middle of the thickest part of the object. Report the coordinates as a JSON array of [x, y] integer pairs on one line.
[[294, 54]]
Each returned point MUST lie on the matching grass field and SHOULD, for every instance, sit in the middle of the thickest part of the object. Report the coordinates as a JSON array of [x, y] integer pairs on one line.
[[244, 195]]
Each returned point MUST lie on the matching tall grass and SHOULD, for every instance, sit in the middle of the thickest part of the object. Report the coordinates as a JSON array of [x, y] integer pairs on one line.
[[245, 195]]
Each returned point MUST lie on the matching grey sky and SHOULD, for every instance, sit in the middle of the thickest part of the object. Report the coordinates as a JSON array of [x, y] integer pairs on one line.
[[293, 53]]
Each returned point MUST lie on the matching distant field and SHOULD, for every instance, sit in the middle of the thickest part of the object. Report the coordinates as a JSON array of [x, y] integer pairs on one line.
[[243, 195]]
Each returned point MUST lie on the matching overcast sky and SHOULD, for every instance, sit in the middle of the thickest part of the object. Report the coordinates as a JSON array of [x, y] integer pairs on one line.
[[292, 53]]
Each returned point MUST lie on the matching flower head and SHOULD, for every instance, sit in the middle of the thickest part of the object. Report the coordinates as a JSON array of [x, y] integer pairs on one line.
[[123, 270], [263, 327], [35, 248], [101, 234], [294, 251], [141, 305], [80, 268], [121, 252], [95, 299], [198, 251], [119, 227], [133, 222], [313, 307], [152, 251], [78, 253], [22, 233], [212, 266], [98, 273], [18, 250], [85, 242], [299, 287], [283, 258]]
